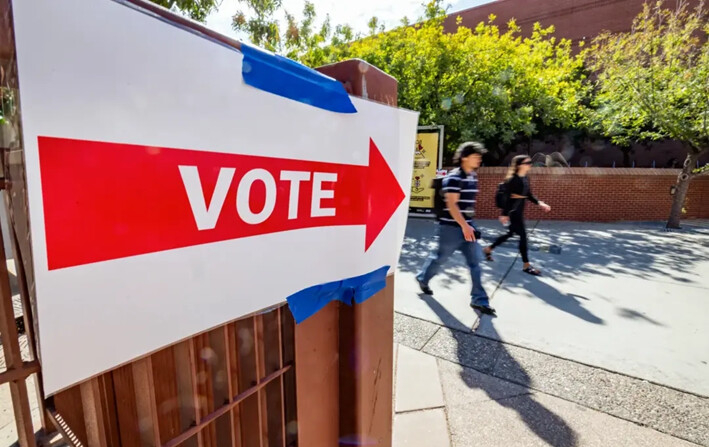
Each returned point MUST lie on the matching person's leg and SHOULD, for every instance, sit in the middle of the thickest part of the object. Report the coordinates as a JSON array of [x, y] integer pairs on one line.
[[449, 238], [501, 240], [523, 248], [473, 255]]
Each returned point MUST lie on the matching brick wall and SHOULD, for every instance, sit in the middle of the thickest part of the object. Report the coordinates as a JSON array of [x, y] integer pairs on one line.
[[598, 194]]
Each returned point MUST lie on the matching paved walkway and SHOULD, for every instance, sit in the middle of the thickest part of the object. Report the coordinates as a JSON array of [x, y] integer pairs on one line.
[[610, 347]]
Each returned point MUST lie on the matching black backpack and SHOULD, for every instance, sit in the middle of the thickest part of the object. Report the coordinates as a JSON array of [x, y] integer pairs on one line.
[[502, 195], [439, 200]]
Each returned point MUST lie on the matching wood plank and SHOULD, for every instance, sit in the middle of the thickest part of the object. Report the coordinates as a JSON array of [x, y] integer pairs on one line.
[[247, 378], [93, 413], [23, 416], [272, 396], [145, 402], [232, 353], [13, 357], [186, 401], [29, 318], [271, 342], [19, 373], [289, 383], [259, 347], [200, 355], [126, 407], [108, 401], [317, 378], [220, 383], [70, 407], [366, 377], [279, 319], [225, 409], [164, 382], [274, 414]]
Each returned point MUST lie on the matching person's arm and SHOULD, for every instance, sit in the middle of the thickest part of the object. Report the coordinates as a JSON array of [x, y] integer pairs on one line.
[[531, 198], [536, 201]]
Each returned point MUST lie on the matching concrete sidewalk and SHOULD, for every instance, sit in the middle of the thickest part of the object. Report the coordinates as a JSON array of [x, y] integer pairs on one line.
[[456, 389], [616, 333]]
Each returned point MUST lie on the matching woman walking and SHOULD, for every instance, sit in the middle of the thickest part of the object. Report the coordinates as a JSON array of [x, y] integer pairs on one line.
[[518, 192]]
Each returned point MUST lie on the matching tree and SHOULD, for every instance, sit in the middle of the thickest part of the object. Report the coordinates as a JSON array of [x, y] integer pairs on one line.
[[301, 41], [653, 84], [484, 84], [315, 48], [195, 9], [261, 26]]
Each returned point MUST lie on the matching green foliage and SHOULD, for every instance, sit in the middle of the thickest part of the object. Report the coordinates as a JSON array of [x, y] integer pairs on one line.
[[652, 82], [195, 9], [261, 26], [484, 84], [302, 41], [374, 26], [7, 104]]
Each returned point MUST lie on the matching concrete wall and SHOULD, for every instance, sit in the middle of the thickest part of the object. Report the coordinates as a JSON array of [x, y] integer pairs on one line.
[[599, 195]]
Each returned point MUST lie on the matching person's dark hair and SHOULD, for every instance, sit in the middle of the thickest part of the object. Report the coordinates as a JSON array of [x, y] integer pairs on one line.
[[467, 149], [515, 164]]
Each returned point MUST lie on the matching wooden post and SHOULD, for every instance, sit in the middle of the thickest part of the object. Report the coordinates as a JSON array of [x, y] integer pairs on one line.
[[13, 357], [366, 369], [93, 413], [317, 378], [366, 330]]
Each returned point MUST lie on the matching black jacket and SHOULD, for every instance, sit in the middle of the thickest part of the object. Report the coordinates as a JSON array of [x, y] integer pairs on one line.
[[519, 186]]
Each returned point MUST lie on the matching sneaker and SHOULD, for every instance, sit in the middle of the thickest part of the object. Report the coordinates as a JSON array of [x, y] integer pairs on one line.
[[487, 310], [424, 288]]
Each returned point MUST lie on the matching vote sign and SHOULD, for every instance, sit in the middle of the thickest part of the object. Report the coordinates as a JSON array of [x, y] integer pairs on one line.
[[128, 200], [167, 196]]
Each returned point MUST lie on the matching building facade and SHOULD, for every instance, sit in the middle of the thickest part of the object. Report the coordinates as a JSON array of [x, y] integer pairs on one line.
[[573, 19]]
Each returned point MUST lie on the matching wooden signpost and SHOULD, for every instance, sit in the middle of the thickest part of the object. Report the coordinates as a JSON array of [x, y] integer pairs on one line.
[[253, 380]]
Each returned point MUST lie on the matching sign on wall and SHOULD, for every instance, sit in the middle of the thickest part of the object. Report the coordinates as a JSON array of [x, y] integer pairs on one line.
[[427, 161], [167, 196]]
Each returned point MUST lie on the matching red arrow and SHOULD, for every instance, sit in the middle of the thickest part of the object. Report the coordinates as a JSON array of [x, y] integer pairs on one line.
[[105, 201]]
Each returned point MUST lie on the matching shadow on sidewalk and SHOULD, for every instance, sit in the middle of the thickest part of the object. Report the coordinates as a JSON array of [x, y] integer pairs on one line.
[[566, 302], [420, 239], [640, 251], [545, 424], [589, 251]]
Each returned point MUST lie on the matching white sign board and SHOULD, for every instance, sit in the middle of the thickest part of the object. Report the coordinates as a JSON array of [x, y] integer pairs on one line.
[[168, 197]]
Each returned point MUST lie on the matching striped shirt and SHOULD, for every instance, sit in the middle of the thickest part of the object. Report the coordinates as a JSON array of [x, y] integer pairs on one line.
[[465, 185]]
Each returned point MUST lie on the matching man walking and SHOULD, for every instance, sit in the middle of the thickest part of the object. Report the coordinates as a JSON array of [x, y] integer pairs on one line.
[[456, 229]]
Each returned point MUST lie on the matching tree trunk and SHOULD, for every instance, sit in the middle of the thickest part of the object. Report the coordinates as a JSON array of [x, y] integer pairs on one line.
[[681, 190]]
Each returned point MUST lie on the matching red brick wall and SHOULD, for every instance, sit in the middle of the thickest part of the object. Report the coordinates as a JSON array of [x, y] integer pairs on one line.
[[598, 194]]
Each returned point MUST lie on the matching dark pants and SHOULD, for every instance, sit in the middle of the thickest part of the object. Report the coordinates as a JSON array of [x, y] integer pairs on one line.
[[516, 227]]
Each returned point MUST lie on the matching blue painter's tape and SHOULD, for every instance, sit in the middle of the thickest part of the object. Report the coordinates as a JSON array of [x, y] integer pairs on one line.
[[308, 301], [284, 77]]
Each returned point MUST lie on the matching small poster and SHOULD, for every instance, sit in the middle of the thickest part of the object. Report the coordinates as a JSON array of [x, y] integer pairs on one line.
[[426, 167]]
